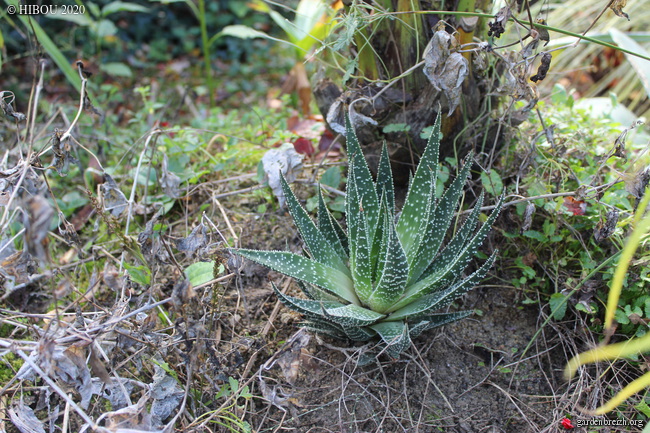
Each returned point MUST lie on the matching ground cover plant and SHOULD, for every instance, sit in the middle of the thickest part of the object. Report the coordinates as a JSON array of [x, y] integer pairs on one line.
[[122, 198]]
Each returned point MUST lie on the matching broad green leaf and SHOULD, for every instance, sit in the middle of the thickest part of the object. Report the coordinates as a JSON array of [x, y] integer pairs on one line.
[[139, 274], [116, 69], [200, 272], [558, 304], [318, 246], [492, 182], [286, 25], [244, 32], [104, 28], [331, 177], [83, 20], [419, 199], [119, 6], [396, 127], [301, 268]]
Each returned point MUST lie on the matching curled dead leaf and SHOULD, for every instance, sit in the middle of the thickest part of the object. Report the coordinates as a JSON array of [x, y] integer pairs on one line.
[[605, 229], [617, 7]]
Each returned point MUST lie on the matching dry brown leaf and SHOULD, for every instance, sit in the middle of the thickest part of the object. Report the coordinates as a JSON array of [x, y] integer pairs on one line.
[[445, 70], [617, 6]]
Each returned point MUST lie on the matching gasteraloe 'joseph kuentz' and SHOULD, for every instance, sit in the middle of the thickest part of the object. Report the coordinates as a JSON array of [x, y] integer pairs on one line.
[[385, 278]]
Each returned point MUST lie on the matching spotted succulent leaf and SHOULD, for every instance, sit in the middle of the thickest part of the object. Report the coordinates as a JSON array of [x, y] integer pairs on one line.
[[444, 269], [394, 273], [428, 250], [442, 299], [328, 227], [352, 315], [436, 320], [301, 268], [438, 224], [395, 335], [420, 197], [318, 245], [383, 279], [385, 185], [361, 178], [362, 271]]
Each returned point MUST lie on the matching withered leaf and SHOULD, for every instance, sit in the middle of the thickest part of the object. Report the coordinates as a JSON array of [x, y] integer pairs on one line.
[[283, 160], [62, 153], [605, 229], [182, 292], [619, 143], [24, 418], [169, 181], [543, 68], [578, 207], [637, 184], [497, 27], [97, 367], [9, 111], [167, 395], [617, 6], [150, 245], [291, 356], [336, 116], [37, 220], [445, 70], [196, 240], [528, 216], [133, 418], [17, 269], [68, 231], [114, 200]]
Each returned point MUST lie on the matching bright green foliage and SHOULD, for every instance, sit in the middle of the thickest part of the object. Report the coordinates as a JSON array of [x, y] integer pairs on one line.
[[385, 278]]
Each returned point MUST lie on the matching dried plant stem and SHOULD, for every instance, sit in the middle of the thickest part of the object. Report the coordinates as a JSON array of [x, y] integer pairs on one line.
[[34, 103], [225, 217], [68, 133]]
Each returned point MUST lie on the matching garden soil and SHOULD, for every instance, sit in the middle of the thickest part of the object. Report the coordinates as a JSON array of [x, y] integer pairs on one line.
[[469, 376]]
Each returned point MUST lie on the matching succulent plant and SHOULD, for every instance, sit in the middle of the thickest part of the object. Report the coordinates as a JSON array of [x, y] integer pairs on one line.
[[388, 275]]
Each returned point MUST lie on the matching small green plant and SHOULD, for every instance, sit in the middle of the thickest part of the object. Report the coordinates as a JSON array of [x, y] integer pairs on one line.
[[630, 347], [386, 276]]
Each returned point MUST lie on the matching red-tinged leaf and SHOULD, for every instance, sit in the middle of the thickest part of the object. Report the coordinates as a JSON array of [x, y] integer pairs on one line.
[[326, 140], [578, 207], [304, 146]]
